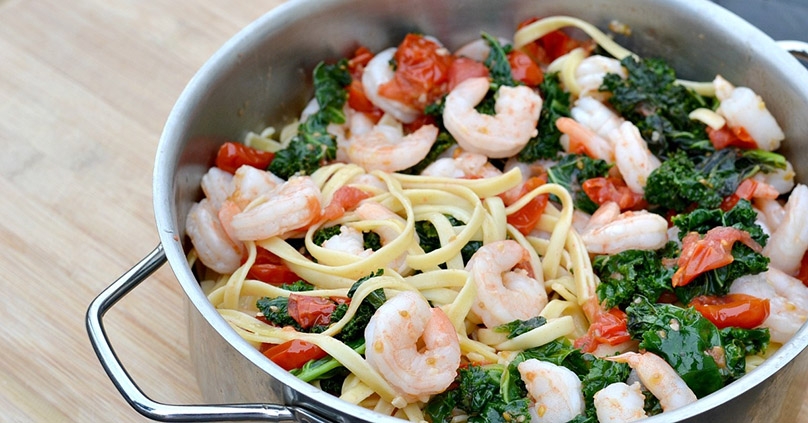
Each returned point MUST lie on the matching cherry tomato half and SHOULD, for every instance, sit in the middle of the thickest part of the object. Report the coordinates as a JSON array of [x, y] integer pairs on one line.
[[293, 354], [526, 218], [711, 252], [233, 155], [737, 310]]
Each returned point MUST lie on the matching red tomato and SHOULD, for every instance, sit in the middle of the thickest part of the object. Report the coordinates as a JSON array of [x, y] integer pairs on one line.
[[422, 72], [602, 190], [711, 252], [607, 328], [463, 68], [524, 69], [749, 188], [420, 121], [525, 219], [551, 46], [358, 101], [360, 59], [726, 137], [803, 273], [233, 155], [293, 354], [345, 198], [271, 269], [310, 311], [737, 310]]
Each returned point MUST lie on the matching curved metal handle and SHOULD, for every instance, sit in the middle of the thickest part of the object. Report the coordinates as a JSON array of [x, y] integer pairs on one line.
[[798, 48], [136, 398]]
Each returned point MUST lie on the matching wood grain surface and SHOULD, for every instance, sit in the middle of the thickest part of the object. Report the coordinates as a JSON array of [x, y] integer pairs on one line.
[[85, 87]]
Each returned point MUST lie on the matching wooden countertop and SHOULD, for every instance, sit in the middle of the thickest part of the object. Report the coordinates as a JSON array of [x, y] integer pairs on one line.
[[85, 88]]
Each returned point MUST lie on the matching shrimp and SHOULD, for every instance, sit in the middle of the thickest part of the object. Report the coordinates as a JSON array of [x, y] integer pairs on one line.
[[349, 240], [385, 147], [620, 402], [394, 337], [555, 391], [788, 301], [632, 157], [292, 205], [745, 111], [502, 135], [789, 241], [463, 165], [581, 139], [658, 377], [217, 186], [610, 232], [215, 248], [781, 180], [249, 183], [590, 72], [504, 295], [596, 116], [378, 72], [770, 214]]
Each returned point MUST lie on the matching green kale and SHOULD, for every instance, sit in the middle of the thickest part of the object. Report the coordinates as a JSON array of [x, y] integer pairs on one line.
[[745, 260], [680, 336], [740, 343], [313, 145], [499, 68], [547, 144], [571, 172], [689, 343], [595, 373], [371, 240], [683, 180], [429, 241], [324, 234], [677, 184], [327, 367], [355, 328], [742, 216], [626, 275], [659, 107], [298, 286], [717, 282], [276, 311], [559, 352], [479, 393], [518, 327]]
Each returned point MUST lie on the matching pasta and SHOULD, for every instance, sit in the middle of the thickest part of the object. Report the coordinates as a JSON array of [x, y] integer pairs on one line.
[[447, 262]]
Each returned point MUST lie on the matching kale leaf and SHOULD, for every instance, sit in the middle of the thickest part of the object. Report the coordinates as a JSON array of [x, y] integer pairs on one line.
[[480, 393], [324, 234], [684, 180], [689, 343], [742, 216], [547, 144], [518, 327], [626, 275], [680, 336], [429, 241], [659, 107], [313, 145], [745, 260], [571, 172], [595, 373], [327, 367], [355, 328]]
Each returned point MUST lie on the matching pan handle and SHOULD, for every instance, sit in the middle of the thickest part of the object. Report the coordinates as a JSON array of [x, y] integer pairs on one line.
[[142, 403], [797, 48]]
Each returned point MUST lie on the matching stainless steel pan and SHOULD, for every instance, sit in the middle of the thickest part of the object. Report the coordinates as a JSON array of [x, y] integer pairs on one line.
[[260, 77]]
